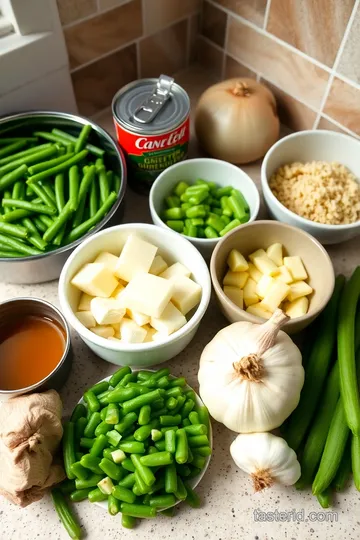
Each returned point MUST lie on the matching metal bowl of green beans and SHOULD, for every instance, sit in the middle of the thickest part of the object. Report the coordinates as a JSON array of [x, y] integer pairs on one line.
[[62, 179], [114, 437]]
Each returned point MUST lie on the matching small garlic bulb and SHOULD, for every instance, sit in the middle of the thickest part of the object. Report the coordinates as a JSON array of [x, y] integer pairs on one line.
[[266, 458]]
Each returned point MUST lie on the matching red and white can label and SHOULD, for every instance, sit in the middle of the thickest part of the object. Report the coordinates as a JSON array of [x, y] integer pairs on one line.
[[149, 155]]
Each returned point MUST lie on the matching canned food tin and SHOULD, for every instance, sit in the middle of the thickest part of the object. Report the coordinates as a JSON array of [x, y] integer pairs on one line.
[[152, 126]]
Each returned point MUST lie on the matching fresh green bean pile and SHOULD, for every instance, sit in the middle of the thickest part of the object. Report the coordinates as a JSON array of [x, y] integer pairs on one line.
[[136, 443], [51, 193], [204, 210]]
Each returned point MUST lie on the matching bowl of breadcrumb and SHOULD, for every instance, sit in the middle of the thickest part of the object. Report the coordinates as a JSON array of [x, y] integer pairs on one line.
[[311, 180]]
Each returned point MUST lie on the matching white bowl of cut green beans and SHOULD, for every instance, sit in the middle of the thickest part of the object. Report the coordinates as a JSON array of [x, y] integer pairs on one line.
[[203, 199], [138, 442], [62, 178]]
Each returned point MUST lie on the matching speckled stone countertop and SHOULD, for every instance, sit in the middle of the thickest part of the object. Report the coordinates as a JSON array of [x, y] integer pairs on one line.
[[230, 509]]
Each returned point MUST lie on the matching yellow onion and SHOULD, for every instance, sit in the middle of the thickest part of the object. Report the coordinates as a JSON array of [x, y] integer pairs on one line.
[[236, 120]]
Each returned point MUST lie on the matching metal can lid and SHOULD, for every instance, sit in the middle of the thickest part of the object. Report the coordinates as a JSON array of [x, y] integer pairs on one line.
[[151, 105]]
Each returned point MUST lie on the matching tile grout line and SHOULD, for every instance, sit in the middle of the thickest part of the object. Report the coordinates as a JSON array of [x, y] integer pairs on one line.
[[91, 16], [267, 14], [223, 66], [132, 42], [287, 46], [336, 63], [336, 123], [105, 55], [263, 32]]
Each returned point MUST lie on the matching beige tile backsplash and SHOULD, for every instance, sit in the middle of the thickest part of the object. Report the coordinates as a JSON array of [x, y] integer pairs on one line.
[[306, 51], [112, 42]]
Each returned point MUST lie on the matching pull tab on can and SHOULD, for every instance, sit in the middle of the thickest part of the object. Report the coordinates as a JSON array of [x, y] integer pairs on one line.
[[153, 105]]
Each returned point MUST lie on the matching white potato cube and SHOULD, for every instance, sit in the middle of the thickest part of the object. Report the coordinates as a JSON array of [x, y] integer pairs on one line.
[[298, 289], [104, 331], [96, 280], [186, 295], [266, 265], [147, 294], [275, 253], [159, 336], [264, 285], [259, 311], [236, 295], [158, 266], [284, 275], [140, 318], [250, 295], [254, 273], [119, 289], [296, 267], [237, 261], [275, 295], [149, 333], [257, 253], [235, 279], [131, 332], [175, 270], [170, 320], [107, 310], [84, 304], [136, 257], [297, 308], [86, 318], [108, 259]]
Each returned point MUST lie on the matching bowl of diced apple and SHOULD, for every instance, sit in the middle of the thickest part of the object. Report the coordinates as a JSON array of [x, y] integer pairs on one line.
[[268, 265], [135, 293]]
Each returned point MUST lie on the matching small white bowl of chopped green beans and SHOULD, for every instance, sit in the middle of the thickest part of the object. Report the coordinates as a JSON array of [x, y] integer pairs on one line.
[[203, 199], [128, 461]]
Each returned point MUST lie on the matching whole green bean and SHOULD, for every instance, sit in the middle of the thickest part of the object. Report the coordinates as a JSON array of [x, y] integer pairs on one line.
[[82, 229], [316, 371], [18, 246], [12, 177], [83, 137], [181, 492], [144, 471], [128, 481], [93, 200], [127, 421], [27, 160], [39, 224], [25, 205], [113, 505], [86, 442], [102, 428], [10, 254], [78, 412], [67, 137], [10, 140], [197, 429], [170, 478], [80, 425], [37, 242], [84, 188], [49, 137], [344, 470], [68, 443], [41, 193], [117, 183], [66, 517], [162, 501], [92, 463], [100, 443], [324, 498], [123, 494], [111, 469], [46, 165], [11, 148], [58, 168], [13, 230], [128, 465], [59, 191], [59, 223], [113, 414], [346, 351], [170, 444], [121, 394], [18, 155], [132, 447]]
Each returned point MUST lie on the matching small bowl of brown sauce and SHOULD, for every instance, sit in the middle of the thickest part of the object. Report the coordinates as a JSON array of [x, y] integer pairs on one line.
[[35, 347]]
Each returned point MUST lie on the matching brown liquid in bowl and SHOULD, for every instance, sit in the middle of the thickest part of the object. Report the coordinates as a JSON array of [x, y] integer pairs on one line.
[[30, 348]]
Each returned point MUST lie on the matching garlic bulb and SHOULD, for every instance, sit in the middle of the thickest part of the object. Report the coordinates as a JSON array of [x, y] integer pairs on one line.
[[236, 120], [251, 375], [266, 458]]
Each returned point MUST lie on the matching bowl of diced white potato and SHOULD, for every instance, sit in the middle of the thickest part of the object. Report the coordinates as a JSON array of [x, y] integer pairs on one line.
[[135, 293], [268, 265]]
